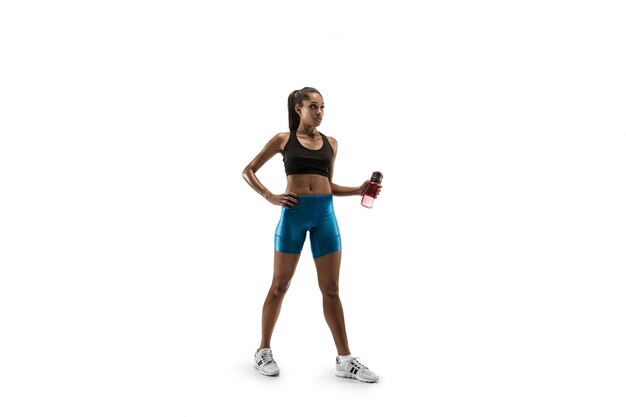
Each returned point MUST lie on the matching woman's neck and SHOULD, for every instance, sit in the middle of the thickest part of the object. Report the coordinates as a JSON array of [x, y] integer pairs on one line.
[[307, 130]]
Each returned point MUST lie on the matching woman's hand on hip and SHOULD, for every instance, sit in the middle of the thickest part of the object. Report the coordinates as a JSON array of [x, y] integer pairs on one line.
[[285, 200]]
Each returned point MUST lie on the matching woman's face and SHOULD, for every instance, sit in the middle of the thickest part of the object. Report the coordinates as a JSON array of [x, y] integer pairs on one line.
[[311, 111]]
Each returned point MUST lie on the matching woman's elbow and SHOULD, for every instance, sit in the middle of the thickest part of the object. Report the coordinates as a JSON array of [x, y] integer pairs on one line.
[[247, 172]]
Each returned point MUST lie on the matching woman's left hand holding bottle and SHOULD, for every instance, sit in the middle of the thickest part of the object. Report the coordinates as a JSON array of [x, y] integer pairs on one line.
[[363, 188]]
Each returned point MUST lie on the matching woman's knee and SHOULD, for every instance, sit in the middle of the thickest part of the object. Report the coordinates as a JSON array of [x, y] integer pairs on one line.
[[280, 286], [330, 290]]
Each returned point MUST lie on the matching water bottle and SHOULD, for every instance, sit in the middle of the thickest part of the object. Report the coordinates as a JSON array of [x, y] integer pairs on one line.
[[371, 190]]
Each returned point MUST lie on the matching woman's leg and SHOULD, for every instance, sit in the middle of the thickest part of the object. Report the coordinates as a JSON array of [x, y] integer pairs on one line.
[[284, 268], [328, 279]]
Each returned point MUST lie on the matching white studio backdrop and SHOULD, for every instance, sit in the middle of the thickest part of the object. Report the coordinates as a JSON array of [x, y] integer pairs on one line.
[[134, 259]]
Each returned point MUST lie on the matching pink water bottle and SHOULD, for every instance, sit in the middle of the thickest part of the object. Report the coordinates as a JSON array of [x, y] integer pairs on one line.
[[371, 190]]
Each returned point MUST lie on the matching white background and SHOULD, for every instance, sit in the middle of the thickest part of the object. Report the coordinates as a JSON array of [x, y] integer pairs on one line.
[[487, 280]]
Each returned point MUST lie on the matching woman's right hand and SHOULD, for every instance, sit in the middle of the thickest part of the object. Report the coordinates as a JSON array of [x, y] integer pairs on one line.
[[286, 200]]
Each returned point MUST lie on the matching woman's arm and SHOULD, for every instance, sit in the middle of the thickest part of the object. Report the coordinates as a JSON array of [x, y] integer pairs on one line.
[[272, 147], [340, 190]]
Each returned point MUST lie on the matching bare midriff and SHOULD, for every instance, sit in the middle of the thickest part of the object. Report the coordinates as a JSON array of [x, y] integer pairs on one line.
[[308, 184]]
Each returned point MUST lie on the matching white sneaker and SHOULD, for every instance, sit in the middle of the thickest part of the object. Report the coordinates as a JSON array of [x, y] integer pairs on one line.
[[264, 362], [352, 368]]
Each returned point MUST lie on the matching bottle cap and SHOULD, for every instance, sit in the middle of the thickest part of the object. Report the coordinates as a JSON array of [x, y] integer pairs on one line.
[[377, 176]]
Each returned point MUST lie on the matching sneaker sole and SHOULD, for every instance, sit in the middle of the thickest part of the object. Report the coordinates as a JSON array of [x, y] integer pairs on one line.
[[344, 374], [265, 373]]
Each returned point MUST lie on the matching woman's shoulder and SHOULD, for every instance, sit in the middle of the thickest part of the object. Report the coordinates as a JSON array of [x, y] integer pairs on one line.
[[280, 140], [280, 137], [332, 140]]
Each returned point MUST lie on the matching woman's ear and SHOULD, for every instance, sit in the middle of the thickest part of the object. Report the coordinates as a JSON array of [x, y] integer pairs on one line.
[[299, 109]]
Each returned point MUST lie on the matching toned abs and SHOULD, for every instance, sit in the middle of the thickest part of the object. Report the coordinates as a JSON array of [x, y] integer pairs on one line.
[[308, 184]]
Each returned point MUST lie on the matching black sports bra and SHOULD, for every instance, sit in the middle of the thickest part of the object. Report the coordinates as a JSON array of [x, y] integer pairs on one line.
[[301, 160]]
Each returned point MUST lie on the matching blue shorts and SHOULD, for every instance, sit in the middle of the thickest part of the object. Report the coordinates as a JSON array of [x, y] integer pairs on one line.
[[314, 214]]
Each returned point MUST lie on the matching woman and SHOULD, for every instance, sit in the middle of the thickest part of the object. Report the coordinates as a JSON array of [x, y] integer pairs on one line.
[[307, 205]]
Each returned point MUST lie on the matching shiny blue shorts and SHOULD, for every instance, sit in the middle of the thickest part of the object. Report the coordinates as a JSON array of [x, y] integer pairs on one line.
[[314, 214]]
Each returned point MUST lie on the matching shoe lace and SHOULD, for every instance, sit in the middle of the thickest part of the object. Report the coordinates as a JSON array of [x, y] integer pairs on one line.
[[357, 364], [267, 357]]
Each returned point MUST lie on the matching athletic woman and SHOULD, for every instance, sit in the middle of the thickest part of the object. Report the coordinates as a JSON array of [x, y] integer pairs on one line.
[[307, 206]]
